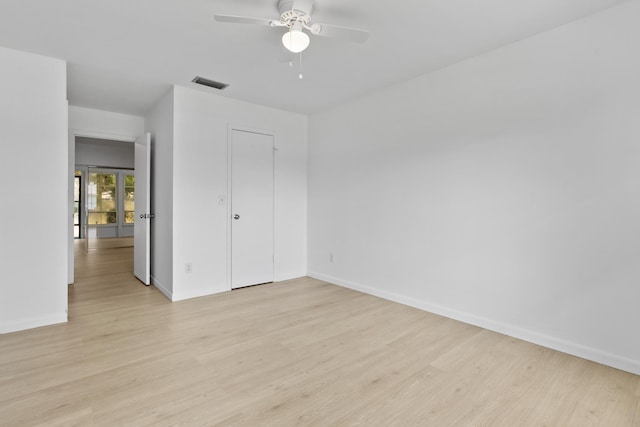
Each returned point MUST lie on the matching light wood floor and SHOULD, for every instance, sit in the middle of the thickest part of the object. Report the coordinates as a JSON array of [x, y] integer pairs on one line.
[[104, 243], [301, 352]]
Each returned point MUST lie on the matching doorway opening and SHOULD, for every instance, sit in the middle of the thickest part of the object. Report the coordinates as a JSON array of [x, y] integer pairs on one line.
[[104, 194], [114, 199]]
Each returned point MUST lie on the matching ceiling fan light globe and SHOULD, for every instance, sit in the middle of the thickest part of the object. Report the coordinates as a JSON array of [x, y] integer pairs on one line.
[[295, 41]]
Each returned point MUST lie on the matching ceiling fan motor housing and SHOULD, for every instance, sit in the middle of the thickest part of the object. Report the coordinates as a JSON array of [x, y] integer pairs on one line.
[[295, 10]]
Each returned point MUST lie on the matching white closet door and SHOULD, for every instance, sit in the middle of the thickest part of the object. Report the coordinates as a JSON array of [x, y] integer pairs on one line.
[[251, 208]]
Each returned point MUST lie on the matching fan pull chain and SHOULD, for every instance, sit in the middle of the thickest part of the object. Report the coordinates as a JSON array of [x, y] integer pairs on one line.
[[300, 76]]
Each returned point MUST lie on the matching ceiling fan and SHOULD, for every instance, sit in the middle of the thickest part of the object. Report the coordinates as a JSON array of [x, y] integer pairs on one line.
[[295, 15]]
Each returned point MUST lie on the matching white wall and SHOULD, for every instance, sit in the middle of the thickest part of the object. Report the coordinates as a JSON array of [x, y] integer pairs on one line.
[[503, 191], [160, 123], [111, 154], [33, 176], [88, 122], [200, 223], [104, 124]]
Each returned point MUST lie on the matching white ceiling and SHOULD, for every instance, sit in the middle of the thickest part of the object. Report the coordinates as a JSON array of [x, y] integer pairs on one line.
[[124, 54]]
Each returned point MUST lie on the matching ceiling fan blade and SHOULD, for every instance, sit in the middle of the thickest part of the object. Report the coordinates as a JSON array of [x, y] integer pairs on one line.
[[344, 33], [246, 20]]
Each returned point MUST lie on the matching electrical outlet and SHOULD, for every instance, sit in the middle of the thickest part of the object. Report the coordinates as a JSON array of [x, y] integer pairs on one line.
[[331, 257], [188, 268]]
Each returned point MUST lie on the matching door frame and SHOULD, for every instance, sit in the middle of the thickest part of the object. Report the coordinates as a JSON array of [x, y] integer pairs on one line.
[[251, 129], [80, 201], [73, 134]]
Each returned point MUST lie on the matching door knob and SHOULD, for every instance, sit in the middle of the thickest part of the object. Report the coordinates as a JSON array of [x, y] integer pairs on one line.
[[236, 216]]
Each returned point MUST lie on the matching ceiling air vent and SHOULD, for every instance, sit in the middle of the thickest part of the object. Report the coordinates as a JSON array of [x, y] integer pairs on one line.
[[210, 83]]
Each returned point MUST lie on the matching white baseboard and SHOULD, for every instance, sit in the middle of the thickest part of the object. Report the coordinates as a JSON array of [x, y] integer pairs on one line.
[[180, 296], [575, 349], [289, 276], [37, 322], [196, 293], [165, 291]]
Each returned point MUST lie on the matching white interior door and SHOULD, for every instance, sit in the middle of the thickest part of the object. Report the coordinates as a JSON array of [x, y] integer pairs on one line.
[[141, 229], [251, 208]]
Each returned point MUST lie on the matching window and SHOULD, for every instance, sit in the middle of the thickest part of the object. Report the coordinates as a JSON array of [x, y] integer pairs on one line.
[[102, 200], [129, 199], [77, 200]]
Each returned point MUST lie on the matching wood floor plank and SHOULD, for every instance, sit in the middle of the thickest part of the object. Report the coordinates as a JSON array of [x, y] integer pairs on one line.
[[300, 352]]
